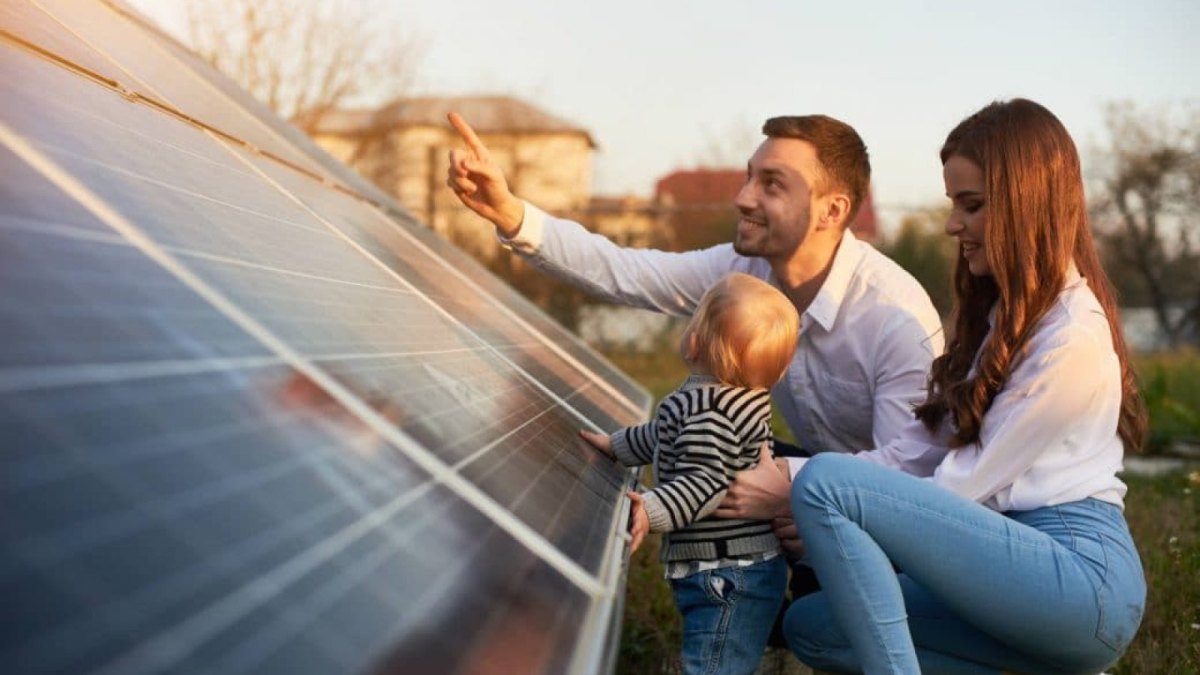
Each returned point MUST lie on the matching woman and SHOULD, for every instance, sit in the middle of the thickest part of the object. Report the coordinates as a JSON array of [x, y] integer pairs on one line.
[[1006, 520]]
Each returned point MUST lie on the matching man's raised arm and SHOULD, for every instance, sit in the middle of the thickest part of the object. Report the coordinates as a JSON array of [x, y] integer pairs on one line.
[[662, 281]]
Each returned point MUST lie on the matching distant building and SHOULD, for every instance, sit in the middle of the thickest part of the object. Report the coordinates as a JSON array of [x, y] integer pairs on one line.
[[630, 221], [701, 188], [403, 147]]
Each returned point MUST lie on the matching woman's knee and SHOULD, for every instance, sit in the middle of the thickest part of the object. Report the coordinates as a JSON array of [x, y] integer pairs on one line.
[[817, 482]]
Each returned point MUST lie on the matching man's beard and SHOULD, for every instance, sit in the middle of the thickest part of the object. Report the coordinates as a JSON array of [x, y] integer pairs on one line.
[[766, 238], [752, 235]]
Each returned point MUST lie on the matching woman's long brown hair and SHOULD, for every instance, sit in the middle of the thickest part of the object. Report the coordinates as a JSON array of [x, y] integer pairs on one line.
[[1036, 225]]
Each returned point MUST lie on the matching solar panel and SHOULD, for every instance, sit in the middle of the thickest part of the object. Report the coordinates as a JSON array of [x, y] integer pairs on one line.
[[254, 418]]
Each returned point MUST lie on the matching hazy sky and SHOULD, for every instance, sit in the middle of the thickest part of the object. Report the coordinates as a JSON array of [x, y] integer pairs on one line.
[[659, 83]]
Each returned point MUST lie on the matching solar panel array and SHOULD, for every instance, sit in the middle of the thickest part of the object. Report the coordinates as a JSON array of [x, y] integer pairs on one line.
[[253, 417]]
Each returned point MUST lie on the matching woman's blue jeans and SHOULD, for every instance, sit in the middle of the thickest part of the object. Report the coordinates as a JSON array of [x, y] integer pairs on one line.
[[1057, 589], [728, 615]]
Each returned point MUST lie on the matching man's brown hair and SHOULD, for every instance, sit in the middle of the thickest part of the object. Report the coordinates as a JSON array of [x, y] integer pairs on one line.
[[844, 163]]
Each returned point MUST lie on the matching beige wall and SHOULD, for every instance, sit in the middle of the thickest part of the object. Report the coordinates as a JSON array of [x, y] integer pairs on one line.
[[633, 221], [341, 148]]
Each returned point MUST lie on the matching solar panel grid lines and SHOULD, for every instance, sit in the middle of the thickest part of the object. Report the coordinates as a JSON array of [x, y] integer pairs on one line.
[[606, 617], [457, 263], [364, 187], [536, 320], [104, 71], [568, 356], [368, 415], [484, 303], [176, 642], [48, 377], [233, 332], [61, 274], [437, 306], [13, 142], [351, 182], [23, 21], [139, 59], [121, 473]]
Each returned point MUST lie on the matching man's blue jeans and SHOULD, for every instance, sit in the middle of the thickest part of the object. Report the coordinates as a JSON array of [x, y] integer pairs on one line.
[[1056, 589], [728, 614]]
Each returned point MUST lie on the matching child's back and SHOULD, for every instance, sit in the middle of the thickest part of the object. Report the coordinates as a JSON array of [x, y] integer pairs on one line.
[[706, 432]]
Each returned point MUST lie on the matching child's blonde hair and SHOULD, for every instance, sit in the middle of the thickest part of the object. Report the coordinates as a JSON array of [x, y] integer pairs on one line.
[[745, 331]]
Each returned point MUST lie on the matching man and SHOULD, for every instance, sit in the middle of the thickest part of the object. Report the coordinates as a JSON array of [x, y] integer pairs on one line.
[[868, 330]]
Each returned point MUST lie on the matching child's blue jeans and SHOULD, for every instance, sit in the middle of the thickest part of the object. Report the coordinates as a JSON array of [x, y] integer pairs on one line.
[[728, 614], [1055, 589]]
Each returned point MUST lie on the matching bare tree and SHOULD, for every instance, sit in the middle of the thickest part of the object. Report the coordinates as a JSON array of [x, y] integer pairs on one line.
[[1146, 211], [305, 58]]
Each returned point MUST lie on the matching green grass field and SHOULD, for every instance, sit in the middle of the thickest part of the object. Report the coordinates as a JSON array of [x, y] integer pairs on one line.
[[1171, 387], [1164, 516], [1163, 513]]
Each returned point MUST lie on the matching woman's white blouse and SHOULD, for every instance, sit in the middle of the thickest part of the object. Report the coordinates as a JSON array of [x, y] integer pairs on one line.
[[1050, 436]]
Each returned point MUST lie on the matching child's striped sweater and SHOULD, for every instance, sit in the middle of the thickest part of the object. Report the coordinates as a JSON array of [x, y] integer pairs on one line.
[[701, 435]]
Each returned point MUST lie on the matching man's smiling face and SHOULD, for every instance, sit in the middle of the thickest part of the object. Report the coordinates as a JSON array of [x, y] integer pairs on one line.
[[776, 200]]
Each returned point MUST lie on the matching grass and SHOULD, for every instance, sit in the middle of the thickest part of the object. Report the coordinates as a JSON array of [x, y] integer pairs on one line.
[[1163, 514], [651, 630], [1171, 387]]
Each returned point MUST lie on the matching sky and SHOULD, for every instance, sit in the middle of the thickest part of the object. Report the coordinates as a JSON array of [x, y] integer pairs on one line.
[[668, 84]]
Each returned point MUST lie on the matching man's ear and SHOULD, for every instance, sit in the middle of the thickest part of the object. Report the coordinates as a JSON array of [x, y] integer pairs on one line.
[[835, 210]]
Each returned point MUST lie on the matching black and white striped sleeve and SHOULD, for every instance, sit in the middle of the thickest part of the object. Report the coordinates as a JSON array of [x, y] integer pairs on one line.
[[634, 446]]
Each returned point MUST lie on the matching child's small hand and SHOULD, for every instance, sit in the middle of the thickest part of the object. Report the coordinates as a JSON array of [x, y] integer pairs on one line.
[[639, 522], [599, 441]]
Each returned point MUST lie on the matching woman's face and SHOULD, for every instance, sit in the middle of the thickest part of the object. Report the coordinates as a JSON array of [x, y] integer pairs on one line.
[[968, 217]]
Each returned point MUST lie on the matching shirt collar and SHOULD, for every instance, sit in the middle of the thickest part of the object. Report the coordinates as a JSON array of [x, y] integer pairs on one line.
[[824, 308]]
